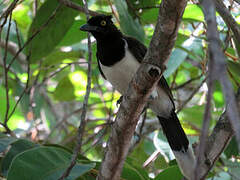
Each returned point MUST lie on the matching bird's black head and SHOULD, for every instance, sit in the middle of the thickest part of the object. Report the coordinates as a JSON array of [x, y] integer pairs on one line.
[[101, 27]]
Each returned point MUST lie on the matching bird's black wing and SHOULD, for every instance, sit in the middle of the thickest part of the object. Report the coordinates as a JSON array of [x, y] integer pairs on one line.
[[139, 50]]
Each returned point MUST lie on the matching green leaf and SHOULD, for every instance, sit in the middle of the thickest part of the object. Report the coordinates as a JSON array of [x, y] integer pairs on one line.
[[139, 154], [170, 173], [218, 96], [17, 116], [150, 16], [54, 32], [20, 14], [233, 168], [74, 35], [128, 25], [232, 148], [176, 59], [64, 90], [234, 67], [187, 115], [71, 86], [179, 55], [17, 147], [193, 13], [181, 38], [58, 56], [132, 172], [5, 141], [45, 163]]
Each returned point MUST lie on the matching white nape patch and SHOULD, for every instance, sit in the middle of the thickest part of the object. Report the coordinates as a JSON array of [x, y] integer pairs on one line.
[[121, 73], [187, 162]]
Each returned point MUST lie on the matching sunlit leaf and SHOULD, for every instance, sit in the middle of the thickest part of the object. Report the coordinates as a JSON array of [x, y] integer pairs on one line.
[[20, 14], [58, 56], [17, 118], [64, 90], [193, 13]]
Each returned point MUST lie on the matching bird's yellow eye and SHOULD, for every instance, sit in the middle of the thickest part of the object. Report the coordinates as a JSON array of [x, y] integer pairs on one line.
[[103, 23]]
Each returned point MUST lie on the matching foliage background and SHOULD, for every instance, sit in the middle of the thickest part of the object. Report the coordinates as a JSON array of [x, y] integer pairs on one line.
[[46, 84]]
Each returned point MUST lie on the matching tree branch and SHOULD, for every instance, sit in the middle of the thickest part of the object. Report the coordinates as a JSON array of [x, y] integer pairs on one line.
[[83, 121], [216, 55], [217, 142], [13, 49], [227, 17], [77, 7], [147, 76]]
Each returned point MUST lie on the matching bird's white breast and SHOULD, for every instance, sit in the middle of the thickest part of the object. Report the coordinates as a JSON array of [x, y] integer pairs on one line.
[[121, 73]]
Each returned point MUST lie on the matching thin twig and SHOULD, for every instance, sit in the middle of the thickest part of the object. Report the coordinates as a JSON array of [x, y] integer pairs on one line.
[[77, 7], [83, 122], [187, 82], [217, 141], [6, 72], [191, 96], [114, 12], [227, 17], [34, 35], [18, 34], [206, 122], [13, 49], [25, 89], [7, 12]]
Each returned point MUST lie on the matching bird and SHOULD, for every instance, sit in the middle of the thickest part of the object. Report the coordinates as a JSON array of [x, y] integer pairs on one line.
[[119, 57]]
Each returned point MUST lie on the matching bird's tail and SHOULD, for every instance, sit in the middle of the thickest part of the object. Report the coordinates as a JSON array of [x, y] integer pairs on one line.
[[179, 143]]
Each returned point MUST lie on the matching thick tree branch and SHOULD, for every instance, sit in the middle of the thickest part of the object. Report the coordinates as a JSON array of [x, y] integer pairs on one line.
[[217, 142], [216, 55], [147, 76], [217, 64]]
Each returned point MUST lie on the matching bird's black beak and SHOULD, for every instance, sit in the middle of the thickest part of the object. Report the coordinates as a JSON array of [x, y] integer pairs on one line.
[[87, 27]]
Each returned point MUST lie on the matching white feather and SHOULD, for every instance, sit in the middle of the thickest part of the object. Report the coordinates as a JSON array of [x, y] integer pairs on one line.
[[187, 162], [121, 73]]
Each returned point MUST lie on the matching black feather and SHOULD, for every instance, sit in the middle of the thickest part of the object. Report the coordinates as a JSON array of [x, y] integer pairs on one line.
[[174, 132]]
